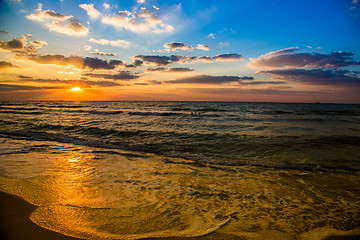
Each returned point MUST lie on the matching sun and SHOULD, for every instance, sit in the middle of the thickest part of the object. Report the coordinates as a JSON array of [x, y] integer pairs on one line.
[[76, 89]]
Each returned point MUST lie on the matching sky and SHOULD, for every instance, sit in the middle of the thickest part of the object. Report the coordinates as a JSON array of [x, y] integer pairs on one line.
[[180, 50]]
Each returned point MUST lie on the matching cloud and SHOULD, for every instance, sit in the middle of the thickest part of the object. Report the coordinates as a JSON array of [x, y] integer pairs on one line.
[[6, 64], [73, 83], [87, 48], [331, 77], [144, 21], [106, 5], [203, 47], [16, 87], [136, 63], [39, 43], [178, 45], [207, 79], [141, 1], [227, 57], [4, 32], [114, 43], [14, 45], [121, 75], [286, 58], [166, 60], [90, 10], [158, 60], [21, 45], [60, 23], [76, 61], [281, 52], [211, 35], [97, 52], [42, 16], [204, 59], [162, 69]]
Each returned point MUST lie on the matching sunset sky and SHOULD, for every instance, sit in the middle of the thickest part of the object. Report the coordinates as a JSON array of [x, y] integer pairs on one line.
[[191, 50]]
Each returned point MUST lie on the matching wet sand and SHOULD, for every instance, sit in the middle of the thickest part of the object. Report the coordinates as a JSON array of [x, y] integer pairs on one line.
[[16, 225]]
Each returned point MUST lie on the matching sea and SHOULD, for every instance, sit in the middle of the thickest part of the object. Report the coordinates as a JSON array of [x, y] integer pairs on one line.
[[179, 170]]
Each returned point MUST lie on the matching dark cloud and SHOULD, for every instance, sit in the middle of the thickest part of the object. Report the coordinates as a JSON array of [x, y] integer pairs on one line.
[[243, 83], [6, 64], [310, 60], [76, 61], [21, 45], [162, 69], [178, 45], [80, 83], [136, 63], [316, 76], [167, 60], [154, 82], [14, 44], [227, 57], [16, 87], [206, 79], [159, 60], [24, 77], [204, 59], [4, 32], [116, 62], [122, 75]]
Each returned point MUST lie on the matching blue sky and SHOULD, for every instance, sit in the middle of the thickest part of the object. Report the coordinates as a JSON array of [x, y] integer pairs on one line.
[[290, 51]]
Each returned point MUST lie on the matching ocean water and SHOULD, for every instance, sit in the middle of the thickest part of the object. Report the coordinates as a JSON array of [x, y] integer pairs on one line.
[[132, 170]]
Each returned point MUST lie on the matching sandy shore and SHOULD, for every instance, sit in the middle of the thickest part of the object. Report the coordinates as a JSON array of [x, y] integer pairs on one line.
[[16, 225]]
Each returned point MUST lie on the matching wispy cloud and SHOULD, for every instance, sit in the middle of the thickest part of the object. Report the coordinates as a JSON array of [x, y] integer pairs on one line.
[[90, 10], [97, 52], [58, 22], [73, 83], [114, 43], [330, 77], [162, 69], [227, 57], [208, 79], [121, 75], [75, 61], [286, 58], [18, 87], [166, 60], [144, 21], [203, 47], [6, 65]]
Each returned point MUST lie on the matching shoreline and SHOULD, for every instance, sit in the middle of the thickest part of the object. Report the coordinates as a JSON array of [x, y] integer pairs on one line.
[[15, 223]]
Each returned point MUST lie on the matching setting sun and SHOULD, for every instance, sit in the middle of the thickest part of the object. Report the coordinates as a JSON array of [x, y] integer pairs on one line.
[[76, 89]]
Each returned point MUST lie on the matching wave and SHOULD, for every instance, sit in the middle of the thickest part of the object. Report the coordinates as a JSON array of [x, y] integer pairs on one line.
[[153, 113], [19, 108], [21, 112], [197, 149]]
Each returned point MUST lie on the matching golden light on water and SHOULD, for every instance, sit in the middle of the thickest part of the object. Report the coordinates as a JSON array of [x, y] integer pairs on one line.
[[76, 89]]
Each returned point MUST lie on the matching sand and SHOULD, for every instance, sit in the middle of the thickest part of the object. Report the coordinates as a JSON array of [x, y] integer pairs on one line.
[[16, 225]]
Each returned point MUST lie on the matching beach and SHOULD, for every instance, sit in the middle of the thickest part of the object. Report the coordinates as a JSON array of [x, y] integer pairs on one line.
[[16, 225], [155, 170]]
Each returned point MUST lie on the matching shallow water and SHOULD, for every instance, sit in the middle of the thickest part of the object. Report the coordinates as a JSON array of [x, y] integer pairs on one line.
[[131, 170]]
